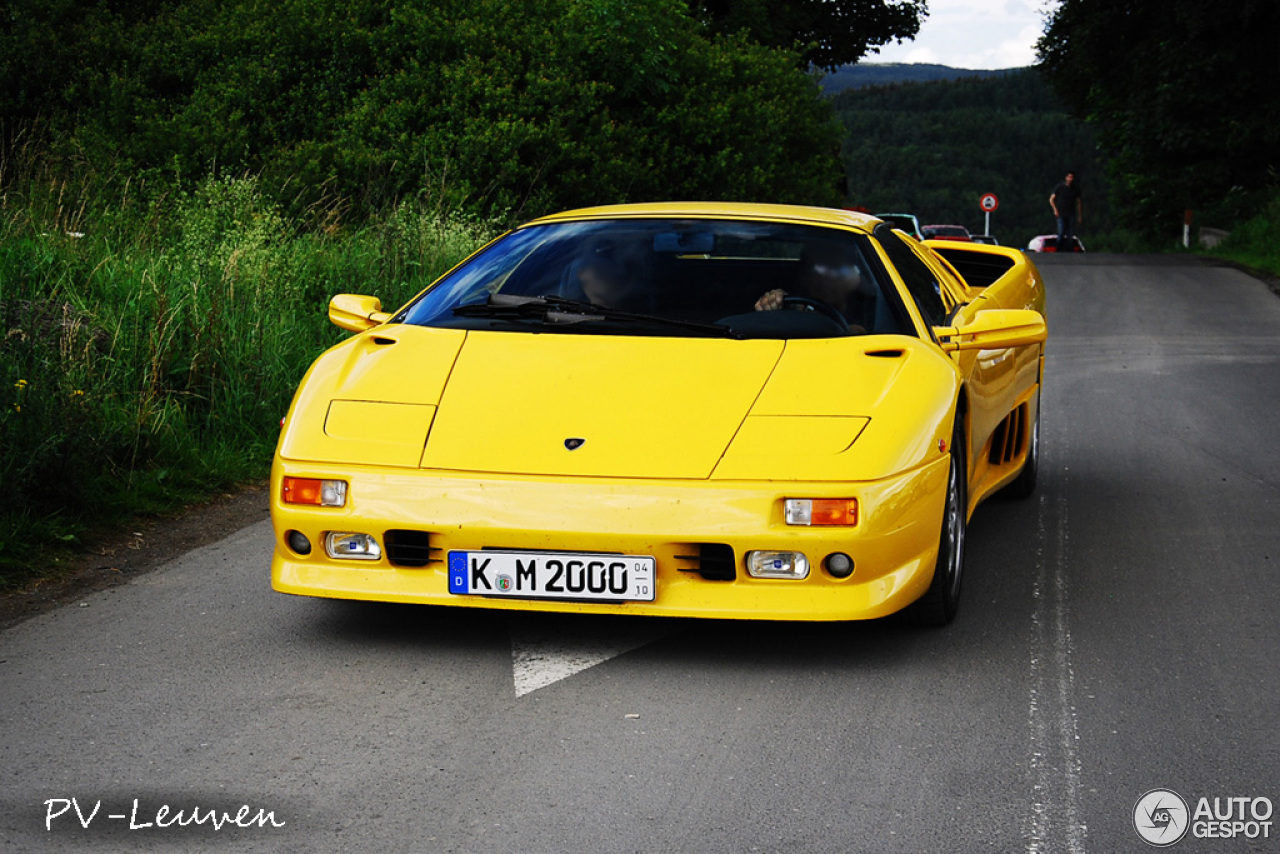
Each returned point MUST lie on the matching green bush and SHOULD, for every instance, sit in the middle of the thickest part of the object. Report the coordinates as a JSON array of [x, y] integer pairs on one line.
[[1256, 241], [149, 360]]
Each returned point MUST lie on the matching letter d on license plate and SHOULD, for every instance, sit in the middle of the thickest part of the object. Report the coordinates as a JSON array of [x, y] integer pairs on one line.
[[553, 575]]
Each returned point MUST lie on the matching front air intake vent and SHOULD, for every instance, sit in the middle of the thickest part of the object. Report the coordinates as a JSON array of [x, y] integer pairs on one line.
[[713, 561], [410, 548]]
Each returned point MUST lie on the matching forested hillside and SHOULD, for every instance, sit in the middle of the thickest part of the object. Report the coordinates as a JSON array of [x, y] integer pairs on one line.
[[933, 149], [866, 74]]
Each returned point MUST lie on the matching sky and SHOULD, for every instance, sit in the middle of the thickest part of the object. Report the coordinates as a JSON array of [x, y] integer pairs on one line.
[[982, 34]]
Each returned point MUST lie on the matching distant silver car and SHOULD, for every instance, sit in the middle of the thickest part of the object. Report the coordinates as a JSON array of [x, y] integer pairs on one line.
[[1049, 243], [988, 239], [903, 222]]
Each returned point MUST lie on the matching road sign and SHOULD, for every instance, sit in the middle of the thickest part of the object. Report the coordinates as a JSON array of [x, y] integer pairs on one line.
[[989, 202]]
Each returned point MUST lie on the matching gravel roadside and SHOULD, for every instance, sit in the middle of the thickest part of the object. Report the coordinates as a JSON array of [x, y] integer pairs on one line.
[[146, 544]]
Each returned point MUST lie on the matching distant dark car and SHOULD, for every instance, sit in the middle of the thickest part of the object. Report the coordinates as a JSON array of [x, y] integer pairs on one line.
[[1049, 243], [903, 222], [946, 232]]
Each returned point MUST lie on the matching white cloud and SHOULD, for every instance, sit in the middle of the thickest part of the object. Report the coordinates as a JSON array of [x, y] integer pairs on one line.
[[983, 34]]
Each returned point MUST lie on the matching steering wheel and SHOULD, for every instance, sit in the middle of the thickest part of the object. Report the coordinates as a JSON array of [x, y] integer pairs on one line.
[[820, 307]]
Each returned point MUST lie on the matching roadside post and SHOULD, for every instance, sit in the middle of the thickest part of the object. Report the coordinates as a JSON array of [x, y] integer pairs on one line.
[[989, 203]]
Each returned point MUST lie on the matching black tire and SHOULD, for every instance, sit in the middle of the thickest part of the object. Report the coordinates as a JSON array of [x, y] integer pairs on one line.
[[1024, 485], [938, 605]]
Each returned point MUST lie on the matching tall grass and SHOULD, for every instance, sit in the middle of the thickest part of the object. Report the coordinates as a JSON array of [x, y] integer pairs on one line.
[[151, 341]]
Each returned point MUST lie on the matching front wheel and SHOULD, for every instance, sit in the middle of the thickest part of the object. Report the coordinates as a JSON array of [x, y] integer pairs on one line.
[[938, 605]]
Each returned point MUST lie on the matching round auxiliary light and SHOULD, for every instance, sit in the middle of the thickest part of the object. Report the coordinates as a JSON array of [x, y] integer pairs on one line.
[[299, 543], [838, 565]]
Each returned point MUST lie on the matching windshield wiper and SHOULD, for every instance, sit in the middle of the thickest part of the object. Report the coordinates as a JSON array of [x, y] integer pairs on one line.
[[504, 305], [561, 310]]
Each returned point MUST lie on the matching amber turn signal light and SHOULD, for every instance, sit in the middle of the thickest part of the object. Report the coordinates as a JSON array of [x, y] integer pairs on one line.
[[821, 511], [322, 493]]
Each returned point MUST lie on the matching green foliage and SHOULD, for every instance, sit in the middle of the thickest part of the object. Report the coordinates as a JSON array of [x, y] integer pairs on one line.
[[1255, 241], [1181, 94], [502, 109], [933, 149], [635, 106], [136, 370], [828, 33]]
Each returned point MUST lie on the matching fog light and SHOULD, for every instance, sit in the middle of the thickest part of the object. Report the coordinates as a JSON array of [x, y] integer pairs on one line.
[[349, 546], [298, 542], [821, 511], [777, 565], [838, 565]]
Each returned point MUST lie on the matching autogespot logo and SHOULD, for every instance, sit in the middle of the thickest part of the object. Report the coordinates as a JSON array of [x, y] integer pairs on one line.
[[1161, 817]]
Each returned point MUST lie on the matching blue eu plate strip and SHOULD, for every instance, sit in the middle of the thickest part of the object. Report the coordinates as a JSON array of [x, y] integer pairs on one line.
[[457, 572]]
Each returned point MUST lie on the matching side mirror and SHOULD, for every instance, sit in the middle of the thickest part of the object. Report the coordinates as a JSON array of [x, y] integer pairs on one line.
[[994, 329], [356, 313]]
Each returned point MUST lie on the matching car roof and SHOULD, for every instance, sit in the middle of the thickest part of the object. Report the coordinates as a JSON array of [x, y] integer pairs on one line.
[[720, 210]]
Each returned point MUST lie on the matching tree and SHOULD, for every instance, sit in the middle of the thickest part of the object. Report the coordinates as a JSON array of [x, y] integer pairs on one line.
[[828, 33], [554, 104], [1181, 94], [505, 109]]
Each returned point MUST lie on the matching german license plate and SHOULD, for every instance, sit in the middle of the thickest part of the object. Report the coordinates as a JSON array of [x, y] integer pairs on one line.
[[553, 575]]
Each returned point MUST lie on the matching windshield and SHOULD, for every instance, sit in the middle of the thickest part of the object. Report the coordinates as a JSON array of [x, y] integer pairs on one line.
[[669, 277]]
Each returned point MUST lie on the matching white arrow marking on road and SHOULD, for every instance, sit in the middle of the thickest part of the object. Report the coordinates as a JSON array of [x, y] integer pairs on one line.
[[544, 651]]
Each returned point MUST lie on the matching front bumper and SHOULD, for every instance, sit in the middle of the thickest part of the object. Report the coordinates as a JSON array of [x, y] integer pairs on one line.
[[893, 546]]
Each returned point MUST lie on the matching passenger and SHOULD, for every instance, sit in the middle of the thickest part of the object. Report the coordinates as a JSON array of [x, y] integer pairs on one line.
[[608, 275]]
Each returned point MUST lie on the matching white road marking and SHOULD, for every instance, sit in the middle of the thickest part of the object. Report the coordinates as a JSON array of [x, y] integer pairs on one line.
[[546, 650], [1054, 823]]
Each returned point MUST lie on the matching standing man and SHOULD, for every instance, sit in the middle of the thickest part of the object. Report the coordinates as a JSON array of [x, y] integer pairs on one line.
[[1069, 210]]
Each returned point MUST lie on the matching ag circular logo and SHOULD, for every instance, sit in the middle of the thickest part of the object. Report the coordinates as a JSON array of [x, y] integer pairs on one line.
[[1161, 817]]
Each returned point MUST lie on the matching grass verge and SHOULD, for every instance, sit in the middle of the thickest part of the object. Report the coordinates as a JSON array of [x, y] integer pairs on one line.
[[150, 343]]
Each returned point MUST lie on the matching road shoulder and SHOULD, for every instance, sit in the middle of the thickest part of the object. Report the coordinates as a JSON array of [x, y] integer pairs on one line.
[[144, 545]]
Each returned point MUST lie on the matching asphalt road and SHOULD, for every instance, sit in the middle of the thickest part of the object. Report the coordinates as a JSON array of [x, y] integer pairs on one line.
[[1118, 634]]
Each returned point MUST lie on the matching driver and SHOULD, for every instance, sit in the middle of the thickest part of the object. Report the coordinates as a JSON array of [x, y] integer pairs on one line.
[[605, 282], [831, 275]]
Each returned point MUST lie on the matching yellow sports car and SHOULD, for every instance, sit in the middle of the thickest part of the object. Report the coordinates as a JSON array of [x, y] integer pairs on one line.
[[694, 410]]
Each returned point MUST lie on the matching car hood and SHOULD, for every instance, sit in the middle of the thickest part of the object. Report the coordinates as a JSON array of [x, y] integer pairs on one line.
[[613, 406], [595, 405]]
